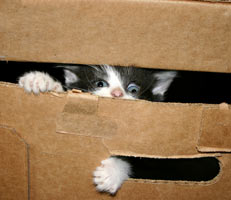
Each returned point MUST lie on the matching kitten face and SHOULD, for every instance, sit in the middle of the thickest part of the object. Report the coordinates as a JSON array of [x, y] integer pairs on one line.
[[119, 82], [108, 82]]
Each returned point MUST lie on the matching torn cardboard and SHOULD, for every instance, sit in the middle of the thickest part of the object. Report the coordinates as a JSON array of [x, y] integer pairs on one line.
[[84, 107], [152, 133], [61, 164], [48, 147]]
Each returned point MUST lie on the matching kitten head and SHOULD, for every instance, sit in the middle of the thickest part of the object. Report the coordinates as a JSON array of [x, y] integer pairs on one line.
[[119, 82]]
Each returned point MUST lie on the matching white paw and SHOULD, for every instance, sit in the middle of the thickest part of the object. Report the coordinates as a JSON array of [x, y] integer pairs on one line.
[[111, 174], [37, 82]]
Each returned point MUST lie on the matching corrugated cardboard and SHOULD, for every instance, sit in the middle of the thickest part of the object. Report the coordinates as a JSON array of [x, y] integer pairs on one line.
[[14, 165], [50, 144], [165, 34], [50, 159]]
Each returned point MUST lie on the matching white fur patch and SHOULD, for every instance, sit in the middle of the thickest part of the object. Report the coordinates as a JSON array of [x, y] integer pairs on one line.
[[114, 80], [70, 77], [111, 174], [37, 82], [164, 79]]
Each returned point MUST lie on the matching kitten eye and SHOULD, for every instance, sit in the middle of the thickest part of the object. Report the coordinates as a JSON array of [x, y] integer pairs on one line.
[[133, 88], [101, 84]]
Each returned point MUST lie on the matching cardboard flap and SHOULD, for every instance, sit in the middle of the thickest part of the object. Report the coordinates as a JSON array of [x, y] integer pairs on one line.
[[133, 127], [83, 108], [152, 128], [118, 32], [216, 129]]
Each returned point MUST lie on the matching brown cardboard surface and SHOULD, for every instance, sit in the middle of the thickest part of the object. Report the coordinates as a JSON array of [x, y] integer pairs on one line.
[[123, 130], [14, 180], [55, 164], [189, 35], [51, 143], [119, 122], [61, 165], [84, 108], [216, 130]]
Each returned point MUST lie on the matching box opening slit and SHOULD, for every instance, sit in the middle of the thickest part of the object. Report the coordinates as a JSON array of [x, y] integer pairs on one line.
[[203, 169]]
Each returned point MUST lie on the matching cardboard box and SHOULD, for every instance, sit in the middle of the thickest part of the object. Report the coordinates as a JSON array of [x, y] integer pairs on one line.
[[50, 144], [165, 34]]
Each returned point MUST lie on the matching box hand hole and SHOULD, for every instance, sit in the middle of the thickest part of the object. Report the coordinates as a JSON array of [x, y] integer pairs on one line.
[[174, 169]]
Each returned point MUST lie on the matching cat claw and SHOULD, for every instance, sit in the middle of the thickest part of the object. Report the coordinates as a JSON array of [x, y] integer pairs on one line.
[[36, 82]]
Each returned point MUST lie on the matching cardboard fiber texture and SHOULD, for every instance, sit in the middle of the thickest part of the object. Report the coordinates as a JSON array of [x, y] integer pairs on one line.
[[184, 35], [50, 144], [14, 159], [60, 165], [216, 130]]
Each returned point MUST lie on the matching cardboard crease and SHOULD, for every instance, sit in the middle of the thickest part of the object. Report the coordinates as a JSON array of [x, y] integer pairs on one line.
[[61, 138]]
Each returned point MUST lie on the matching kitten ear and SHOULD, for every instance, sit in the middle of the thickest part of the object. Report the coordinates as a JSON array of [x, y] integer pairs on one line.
[[70, 77], [163, 81], [70, 73]]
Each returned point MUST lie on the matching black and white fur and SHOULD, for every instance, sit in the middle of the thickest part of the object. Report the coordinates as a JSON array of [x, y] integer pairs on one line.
[[106, 81]]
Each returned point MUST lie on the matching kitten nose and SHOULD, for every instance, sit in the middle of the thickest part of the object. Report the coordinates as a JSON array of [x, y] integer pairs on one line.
[[117, 92]]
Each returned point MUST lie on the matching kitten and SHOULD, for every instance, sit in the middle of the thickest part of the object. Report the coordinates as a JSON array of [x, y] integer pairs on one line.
[[106, 81]]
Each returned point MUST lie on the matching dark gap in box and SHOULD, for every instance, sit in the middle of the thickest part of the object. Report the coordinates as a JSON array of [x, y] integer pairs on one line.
[[188, 87], [174, 169]]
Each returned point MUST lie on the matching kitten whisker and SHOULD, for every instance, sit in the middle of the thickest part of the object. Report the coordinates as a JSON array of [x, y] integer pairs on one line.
[[147, 87], [90, 82]]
